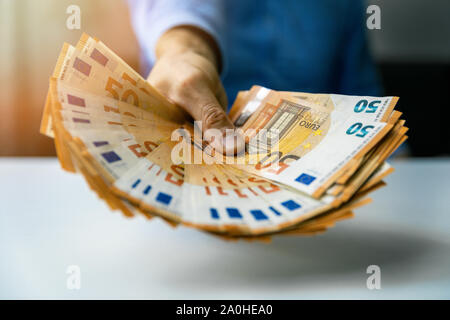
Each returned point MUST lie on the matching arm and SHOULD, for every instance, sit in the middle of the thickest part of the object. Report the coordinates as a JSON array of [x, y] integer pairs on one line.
[[182, 39]]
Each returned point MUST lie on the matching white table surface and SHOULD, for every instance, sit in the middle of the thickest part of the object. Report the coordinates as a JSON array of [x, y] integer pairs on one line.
[[49, 220]]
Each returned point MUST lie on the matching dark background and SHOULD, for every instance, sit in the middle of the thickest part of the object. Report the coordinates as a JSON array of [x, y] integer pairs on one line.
[[412, 51], [424, 99]]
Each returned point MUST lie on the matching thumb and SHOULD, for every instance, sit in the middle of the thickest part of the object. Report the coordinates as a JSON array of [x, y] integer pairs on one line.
[[217, 127]]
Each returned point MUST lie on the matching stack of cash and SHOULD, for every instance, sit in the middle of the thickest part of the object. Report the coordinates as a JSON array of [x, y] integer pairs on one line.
[[309, 159]]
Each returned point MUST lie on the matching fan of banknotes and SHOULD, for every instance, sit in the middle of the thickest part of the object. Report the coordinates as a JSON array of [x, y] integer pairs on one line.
[[309, 159]]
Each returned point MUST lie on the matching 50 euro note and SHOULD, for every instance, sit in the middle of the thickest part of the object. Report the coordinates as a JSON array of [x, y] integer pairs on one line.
[[78, 109], [318, 135], [115, 129], [203, 196], [106, 132], [101, 54], [101, 72], [188, 199]]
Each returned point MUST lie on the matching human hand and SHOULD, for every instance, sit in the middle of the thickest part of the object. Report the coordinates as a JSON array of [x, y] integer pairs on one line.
[[186, 73]]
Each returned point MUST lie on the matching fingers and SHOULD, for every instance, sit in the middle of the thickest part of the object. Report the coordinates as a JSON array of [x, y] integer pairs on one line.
[[217, 127], [212, 114], [196, 87], [222, 96]]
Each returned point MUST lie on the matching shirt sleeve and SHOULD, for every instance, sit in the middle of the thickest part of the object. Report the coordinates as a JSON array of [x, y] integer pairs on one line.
[[151, 18]]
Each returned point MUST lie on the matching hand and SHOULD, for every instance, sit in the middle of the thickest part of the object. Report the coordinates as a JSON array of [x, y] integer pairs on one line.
[[188, 76]]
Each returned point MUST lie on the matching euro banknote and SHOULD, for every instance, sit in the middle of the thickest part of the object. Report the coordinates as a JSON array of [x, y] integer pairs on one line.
[[310, 159]]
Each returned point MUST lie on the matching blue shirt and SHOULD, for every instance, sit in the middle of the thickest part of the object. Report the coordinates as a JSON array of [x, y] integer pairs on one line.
[[290, 45]]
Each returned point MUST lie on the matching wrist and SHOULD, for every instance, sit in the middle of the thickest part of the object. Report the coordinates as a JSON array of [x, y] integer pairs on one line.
[[188, 41]]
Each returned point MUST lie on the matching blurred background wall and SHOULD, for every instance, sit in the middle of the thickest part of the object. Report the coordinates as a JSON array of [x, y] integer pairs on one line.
[[31, 35], [412, 51]]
